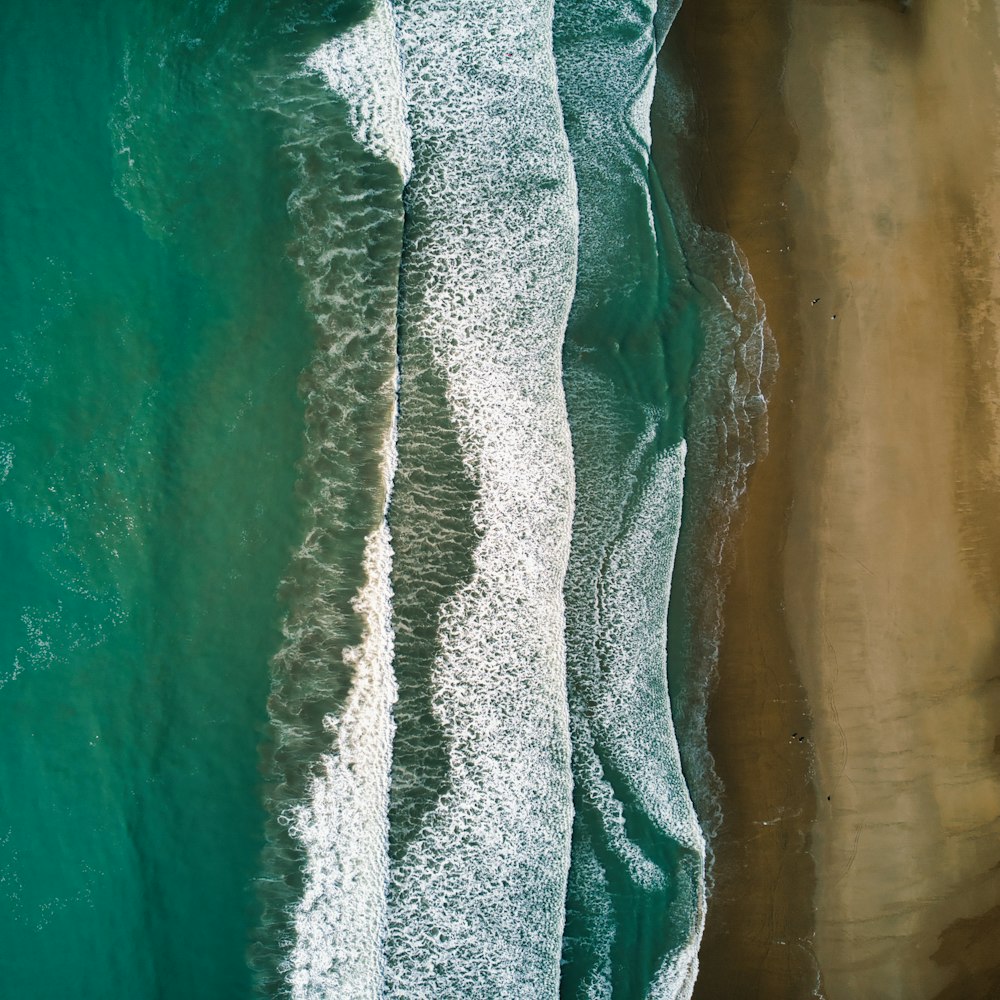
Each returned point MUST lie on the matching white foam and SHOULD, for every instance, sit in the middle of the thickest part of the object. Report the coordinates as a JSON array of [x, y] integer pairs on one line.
[[362, 65], [343, 827], [634, 721], [600, 795], [626, 535], [618, 591], [345, 255], [591, 882], [603, 511], [676, 977], [476, 904]]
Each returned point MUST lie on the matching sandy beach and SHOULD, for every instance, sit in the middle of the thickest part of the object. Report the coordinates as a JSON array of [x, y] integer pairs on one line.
[[851, 150]]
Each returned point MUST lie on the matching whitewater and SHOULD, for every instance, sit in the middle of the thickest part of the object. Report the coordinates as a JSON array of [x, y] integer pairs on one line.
[[509, 639]]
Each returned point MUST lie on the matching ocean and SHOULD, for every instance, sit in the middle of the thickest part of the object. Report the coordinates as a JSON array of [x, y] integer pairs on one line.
[[371, 404]]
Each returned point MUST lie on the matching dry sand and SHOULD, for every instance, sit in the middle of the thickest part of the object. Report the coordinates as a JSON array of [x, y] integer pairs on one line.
[[890, 566], [879, 499]]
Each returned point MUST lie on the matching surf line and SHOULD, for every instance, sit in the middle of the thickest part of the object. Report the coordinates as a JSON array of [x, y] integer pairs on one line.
[[477, 895], [342, 826], [489, 297]]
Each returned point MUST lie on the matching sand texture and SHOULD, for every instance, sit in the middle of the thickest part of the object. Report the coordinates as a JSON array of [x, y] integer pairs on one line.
[[758, 938], [892, 556]]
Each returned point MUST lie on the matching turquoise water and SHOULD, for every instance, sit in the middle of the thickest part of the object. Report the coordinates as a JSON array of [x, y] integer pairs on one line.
[[352, 360], [153, 335]]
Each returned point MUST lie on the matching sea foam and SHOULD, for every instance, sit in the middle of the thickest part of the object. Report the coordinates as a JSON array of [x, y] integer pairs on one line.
[[624, 747], [362, 65], [636, 813], [634, 724], [343, 825], [607, 72], [476, 900], [474, 906], [334, 682]]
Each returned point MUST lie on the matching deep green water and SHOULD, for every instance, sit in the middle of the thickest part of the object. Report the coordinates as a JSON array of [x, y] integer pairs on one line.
[[209, 277], [150, 426]]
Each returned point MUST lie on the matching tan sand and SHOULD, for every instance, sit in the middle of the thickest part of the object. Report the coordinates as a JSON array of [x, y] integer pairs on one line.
[[869, 565], [892, 557]]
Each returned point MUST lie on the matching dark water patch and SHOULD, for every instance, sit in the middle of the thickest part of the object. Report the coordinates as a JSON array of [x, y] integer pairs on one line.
[[433, 538]]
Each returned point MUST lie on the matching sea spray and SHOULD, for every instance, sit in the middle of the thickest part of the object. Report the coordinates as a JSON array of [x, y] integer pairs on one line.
[[475, 901], [343, 827], [363, 66]]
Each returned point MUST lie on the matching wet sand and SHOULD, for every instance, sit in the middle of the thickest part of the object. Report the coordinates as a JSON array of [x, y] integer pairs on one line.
[[851, 150], [757, 938]]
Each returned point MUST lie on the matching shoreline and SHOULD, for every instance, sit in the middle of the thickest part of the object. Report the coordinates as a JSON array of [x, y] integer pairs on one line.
[[734, 165], [852, 153]]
